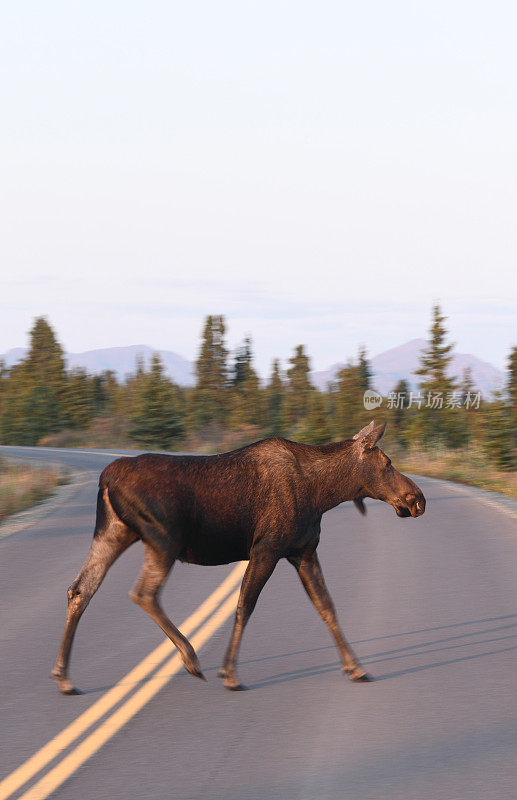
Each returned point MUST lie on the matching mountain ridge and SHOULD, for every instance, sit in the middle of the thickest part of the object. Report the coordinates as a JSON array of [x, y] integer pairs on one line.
[[400, 362], [388, 367], [121, 360]]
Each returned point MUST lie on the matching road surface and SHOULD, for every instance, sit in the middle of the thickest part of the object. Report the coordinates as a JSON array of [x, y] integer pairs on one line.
[[430, 606]]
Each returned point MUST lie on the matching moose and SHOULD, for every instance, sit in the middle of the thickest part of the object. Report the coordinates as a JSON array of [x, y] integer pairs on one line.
[[258, 504]]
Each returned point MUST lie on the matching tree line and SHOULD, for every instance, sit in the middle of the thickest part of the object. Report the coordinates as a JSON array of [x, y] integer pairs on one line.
[[39, 397]]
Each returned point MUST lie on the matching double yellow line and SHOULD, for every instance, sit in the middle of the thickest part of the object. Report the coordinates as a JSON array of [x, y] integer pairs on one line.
[[213, 612]]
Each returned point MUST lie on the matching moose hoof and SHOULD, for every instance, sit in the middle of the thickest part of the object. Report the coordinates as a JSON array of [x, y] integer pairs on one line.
[[69, 690], [365, 678], [358, 675], [231, 683], [196, 673], [64, 685], [193, 666]]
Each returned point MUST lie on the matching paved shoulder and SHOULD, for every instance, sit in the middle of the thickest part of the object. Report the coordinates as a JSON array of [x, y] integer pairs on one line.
[[495, 500]]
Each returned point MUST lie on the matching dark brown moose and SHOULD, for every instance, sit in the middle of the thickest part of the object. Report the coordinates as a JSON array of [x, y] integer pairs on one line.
[[261, 503]]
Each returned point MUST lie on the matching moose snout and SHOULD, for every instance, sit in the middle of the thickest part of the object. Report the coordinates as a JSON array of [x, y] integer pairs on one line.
[[410, 505], [415, 504]]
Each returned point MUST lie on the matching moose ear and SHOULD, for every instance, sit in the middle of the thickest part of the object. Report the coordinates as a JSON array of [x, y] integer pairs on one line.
[[365, 431], [370, 440]]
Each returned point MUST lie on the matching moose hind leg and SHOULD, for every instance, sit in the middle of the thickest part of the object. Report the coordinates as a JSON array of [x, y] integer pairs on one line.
[[145, 593], [311, 576], [111, 538]]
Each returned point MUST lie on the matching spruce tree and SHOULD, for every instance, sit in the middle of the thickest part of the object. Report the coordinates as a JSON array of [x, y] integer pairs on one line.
[[365, 372], [471, 416], [34, 395], [78, 399], [400, 413], [242, 367], [208, 401], [318, 430], [498, 433], [434, 422], [156, 421], [4, 377], [15, 426], [299, 388], [105, 387], [466, 385], [512, 391], [435, 359], [45, 366], [275, 401], [246, 403], [349, 412]]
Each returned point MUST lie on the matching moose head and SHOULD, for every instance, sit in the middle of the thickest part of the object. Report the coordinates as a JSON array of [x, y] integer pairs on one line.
[[380, 480]]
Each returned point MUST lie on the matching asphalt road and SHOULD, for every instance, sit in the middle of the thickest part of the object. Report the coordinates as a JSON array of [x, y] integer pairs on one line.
[[430, 606]]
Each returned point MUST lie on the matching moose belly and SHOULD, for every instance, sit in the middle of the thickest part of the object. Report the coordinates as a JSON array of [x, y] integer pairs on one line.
[[214, 549]]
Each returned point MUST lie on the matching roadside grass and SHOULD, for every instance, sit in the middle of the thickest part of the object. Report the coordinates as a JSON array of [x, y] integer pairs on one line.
[[105, 431], [23, 486], [113, 432], [467, 465]]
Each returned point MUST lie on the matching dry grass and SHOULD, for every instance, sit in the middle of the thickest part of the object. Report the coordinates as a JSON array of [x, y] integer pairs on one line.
[[467, 465], [107, 432], [214, 439], [22, 486], [112, 432]]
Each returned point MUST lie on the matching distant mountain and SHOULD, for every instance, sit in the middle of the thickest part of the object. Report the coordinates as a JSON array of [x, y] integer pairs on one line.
[[388, 367], [400, 362], [13, 356], [121, 360]]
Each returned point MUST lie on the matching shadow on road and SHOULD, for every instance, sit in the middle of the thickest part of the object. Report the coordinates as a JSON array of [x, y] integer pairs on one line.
[[410, 650]]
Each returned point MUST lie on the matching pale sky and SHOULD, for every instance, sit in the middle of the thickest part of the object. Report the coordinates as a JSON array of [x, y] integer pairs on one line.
[[318, 172]]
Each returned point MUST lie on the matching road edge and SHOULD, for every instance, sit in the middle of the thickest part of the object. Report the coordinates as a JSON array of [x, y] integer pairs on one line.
[[58, 497], [497, 500]]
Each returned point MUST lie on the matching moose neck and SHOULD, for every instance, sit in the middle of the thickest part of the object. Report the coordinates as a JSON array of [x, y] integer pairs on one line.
[[333, 474]]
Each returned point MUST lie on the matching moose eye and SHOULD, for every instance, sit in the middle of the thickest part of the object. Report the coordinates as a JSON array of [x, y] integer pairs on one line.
[[388, 464]]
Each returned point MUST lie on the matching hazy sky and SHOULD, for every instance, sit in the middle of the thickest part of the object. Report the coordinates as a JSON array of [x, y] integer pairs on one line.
[[318, 172]]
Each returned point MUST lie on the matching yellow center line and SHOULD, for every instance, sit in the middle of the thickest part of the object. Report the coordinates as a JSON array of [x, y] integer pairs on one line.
[[93, 714], [93, 743]]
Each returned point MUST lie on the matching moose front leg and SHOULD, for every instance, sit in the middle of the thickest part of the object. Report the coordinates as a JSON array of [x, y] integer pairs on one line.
[[309, 571], [259, 570]]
